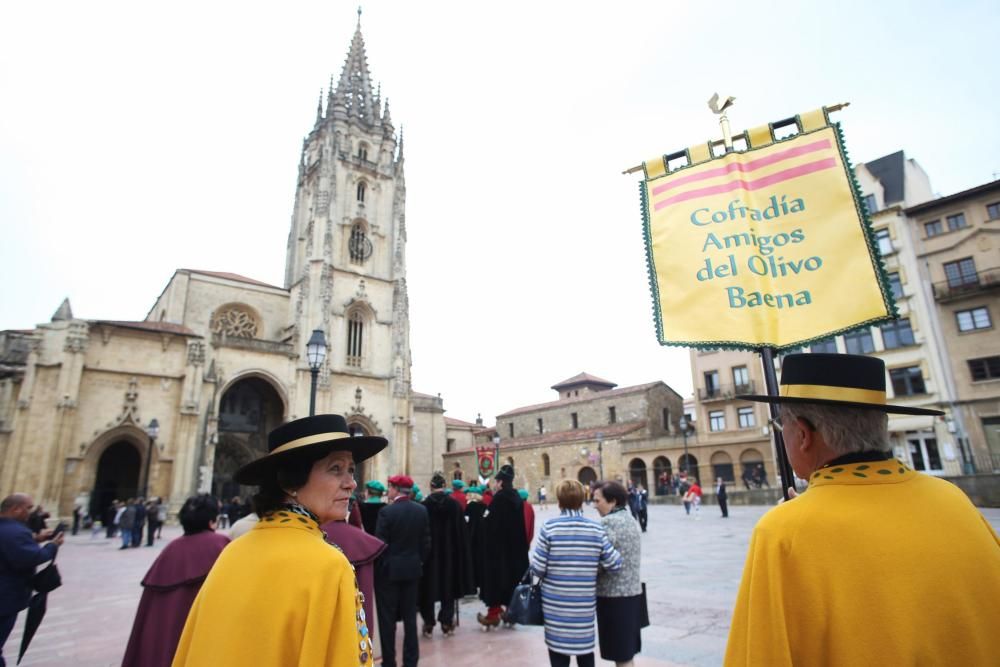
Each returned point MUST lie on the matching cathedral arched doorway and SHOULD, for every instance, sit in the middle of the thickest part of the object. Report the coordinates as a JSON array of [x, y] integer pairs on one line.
[[117, 477], [249, 409], [587, 476]]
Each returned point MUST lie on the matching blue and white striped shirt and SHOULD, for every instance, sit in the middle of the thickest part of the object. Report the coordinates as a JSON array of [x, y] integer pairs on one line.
[[567, 554]]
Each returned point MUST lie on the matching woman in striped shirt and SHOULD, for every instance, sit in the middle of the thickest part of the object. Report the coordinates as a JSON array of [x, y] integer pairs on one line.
[[567, 555]]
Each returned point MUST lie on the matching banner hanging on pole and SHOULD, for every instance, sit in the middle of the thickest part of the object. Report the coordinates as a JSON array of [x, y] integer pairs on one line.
[[486, 457], [767, 247]]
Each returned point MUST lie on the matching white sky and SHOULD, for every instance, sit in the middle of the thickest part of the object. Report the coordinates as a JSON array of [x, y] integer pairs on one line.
[[138, 138]]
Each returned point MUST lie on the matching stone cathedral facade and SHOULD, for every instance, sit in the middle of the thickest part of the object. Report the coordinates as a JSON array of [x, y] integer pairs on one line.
[[220, 360]]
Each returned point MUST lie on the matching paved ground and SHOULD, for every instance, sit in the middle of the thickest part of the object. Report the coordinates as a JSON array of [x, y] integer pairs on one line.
[[691, 568]]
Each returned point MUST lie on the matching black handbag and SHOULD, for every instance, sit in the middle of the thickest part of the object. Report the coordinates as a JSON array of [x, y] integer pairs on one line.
[[47, 579], [525, 606]]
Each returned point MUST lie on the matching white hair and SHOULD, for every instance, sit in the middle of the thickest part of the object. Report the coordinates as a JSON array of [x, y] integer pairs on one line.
[[844, 429]]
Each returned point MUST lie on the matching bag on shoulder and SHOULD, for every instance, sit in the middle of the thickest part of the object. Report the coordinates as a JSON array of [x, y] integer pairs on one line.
[[47, 579], [525, 606]]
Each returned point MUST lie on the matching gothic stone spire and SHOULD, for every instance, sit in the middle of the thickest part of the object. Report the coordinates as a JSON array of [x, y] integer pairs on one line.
[[354, 90]]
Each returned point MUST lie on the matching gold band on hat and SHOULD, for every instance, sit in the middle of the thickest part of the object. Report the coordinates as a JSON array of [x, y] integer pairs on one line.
[[309, 440], [828, 393]]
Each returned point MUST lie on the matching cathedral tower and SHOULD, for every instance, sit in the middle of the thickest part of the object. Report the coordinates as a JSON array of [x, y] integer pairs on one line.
[[346, 262]]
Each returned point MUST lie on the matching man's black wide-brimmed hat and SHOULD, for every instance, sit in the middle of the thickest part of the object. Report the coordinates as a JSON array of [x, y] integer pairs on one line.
[[846, 380], [327, 432]]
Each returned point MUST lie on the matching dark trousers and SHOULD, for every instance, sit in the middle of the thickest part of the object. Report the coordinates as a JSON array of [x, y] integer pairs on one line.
[[6, 626], [137, 535], [562, 660], [723, 506], [446, 616], [150, 533], [398, 599], [643, 519]]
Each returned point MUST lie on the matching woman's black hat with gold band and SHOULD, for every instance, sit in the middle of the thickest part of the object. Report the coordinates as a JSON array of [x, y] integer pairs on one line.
[[329, 432]]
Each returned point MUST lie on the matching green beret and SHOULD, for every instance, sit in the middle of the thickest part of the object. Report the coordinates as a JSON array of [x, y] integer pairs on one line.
[[458, 484], [523, 493], [375, 485]]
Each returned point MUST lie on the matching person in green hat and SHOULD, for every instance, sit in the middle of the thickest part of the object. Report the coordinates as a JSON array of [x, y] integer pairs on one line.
[[372, 505], [458, 493]]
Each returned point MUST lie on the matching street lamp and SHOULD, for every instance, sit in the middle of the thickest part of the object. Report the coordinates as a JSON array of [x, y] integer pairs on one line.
[[152, 431], [316, 355], [600, 453], [683, 424]]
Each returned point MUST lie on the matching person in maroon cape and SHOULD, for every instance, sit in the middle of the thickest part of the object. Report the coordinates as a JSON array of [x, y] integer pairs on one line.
[[361, 549], [529, 515], [172, 583]]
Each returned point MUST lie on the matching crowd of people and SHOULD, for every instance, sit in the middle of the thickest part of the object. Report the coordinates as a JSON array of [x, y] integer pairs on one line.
[[294, 584]]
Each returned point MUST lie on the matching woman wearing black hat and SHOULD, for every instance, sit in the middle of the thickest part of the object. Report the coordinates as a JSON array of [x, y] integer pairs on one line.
[[282, 594]]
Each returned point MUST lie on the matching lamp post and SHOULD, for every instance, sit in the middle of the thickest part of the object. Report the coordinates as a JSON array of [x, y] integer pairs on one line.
[[683, 425], [600, 453], [316, 355], [152, 431]]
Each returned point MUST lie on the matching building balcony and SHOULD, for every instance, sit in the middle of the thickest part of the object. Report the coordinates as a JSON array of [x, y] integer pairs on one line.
[[724, 392], [254, 344], [968, 285]]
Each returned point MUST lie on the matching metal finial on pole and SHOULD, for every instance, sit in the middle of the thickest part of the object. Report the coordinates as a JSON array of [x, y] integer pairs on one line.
[[720, 111], [359, 16]]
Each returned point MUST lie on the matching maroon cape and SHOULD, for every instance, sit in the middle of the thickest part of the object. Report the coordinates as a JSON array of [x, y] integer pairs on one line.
[[361, 549], [529, 522], [169, 589]]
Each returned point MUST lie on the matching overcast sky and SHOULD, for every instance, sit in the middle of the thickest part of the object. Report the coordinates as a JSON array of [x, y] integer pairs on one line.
[[136, 139]]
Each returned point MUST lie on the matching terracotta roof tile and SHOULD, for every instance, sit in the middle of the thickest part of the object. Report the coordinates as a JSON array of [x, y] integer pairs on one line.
[[583, 378], [581, 399], [451, 421]]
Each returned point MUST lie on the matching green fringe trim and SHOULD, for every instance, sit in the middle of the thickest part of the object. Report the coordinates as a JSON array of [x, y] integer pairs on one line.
[[877, 260]]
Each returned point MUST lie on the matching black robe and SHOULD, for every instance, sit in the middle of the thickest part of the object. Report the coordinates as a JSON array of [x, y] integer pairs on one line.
[[369, 515], [474, 511], [505, 548], [448, 570]]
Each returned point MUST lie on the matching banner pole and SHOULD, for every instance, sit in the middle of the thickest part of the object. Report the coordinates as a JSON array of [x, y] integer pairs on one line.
[[784, 468]]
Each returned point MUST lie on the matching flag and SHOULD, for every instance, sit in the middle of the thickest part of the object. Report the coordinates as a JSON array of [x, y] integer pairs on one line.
[[487, 461], [767, 247]]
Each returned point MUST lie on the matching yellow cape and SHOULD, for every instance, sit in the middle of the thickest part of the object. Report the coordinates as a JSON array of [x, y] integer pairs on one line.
[[875, 565], [278, 596]]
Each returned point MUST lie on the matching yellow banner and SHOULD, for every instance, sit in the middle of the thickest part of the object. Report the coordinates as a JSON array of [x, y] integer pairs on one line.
[[762, 248]]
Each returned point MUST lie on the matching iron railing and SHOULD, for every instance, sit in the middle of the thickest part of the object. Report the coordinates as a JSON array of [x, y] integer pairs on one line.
[[961, 286]]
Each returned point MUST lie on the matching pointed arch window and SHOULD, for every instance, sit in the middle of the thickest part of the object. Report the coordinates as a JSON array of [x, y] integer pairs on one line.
[[362, 188], [355, 338], [363, 151]]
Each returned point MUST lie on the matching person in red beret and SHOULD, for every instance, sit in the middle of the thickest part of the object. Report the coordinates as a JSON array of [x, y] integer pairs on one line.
[[403, 525]]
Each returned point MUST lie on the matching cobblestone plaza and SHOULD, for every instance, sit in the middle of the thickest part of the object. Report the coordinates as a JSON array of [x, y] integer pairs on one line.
[[691, 568]]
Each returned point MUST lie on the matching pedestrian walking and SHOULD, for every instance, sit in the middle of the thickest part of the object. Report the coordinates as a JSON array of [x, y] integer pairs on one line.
[[126, 523], [641, 505], [139, 522], [867, 544], [77, 516], [172, 583], [720, 495], [567, 555], [403, 525], [281, 594], [620, 602], [505, 548], [541, 496], [447, 572], [20, 553], [693, 499]]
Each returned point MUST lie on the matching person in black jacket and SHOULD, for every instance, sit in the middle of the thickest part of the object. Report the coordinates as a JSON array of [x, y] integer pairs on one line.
[[20, 553], [403, 525], [720, 494], [505, 548], [448, 570]]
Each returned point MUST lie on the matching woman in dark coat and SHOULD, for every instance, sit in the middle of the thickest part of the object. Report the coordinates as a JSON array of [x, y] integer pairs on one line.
[[447, 574], [475, 508], [505, 548], [172, 583]]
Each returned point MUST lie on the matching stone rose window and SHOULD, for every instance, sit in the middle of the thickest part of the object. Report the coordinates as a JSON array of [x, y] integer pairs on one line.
[[235, 321]]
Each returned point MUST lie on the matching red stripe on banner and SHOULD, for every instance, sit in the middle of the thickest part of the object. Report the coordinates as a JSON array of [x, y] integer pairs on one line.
[[763, 182], [744, 167]]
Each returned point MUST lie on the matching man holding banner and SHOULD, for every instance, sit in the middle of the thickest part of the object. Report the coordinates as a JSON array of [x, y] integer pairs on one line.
[[850, 572]]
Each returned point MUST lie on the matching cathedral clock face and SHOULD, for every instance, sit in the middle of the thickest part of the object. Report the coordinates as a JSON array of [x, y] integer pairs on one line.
[[360, 247]]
